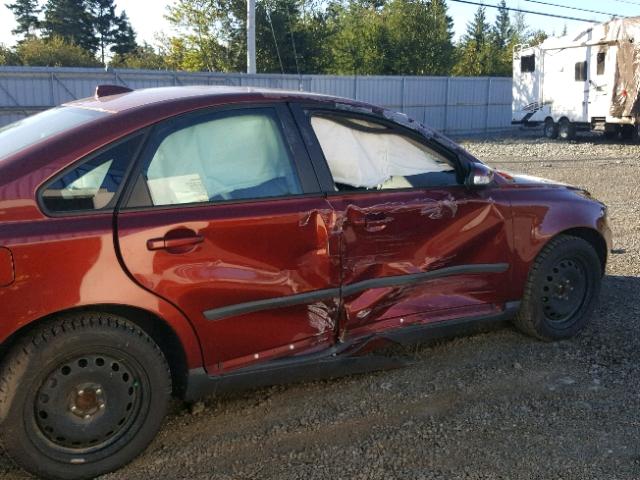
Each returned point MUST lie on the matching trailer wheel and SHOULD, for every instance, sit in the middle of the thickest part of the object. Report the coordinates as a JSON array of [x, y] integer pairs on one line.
[[629, 132], [550, 129], [566, 129]]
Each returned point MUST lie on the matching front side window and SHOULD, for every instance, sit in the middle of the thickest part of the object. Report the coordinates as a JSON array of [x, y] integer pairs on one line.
[[231, 157], [94, 183], [366, 155], [31, 130]]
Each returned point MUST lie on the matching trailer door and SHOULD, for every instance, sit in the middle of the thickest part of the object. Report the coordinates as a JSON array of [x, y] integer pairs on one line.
[[601, 71]]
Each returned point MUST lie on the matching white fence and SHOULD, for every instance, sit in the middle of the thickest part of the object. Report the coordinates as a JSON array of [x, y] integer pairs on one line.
[[453, 105]]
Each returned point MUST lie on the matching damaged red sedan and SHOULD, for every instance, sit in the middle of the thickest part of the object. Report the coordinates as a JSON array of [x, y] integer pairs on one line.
[[180, 241]]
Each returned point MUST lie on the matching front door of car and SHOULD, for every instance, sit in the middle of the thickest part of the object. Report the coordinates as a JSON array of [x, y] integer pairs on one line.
[[225, 220], [418, 247]]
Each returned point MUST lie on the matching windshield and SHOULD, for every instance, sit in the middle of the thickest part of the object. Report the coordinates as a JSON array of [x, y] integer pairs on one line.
[[31, 130]]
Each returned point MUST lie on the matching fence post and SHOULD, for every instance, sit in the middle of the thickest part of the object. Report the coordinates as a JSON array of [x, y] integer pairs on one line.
[[446, 105], [486, 117], [402, 85]]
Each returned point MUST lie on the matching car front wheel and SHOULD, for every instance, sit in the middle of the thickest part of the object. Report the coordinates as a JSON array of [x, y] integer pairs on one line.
[[561, 290], [82, 396]]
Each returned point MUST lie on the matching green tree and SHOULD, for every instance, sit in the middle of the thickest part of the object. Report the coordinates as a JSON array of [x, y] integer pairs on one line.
[[142, 57], [104, 23], [26, 14], [8, 56], [71, 20], [54, 52], [419, 37], [501, 42], [124, 37], [359, 41], [198, 24], [474, 56]]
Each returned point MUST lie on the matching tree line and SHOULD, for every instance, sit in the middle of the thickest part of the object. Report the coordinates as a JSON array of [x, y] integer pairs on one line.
[[343, 37]]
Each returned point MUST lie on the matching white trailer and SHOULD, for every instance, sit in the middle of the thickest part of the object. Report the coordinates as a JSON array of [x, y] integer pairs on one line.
[[588, 81]]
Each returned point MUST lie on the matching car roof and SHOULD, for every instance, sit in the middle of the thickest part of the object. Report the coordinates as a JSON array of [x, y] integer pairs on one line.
[[137, 99]]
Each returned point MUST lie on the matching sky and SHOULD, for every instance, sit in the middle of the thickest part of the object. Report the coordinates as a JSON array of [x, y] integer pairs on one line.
[[147, 16]]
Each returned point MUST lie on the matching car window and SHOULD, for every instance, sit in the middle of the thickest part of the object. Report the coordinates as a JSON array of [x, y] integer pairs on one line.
[[22, 134], [368, 155], [93, 184], [231, 157]]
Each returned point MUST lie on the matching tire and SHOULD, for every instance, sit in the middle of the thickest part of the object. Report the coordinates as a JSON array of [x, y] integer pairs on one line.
[[550, 129], [611, 131], [561, 291], [82, 395], [566, 129], [629, 132]]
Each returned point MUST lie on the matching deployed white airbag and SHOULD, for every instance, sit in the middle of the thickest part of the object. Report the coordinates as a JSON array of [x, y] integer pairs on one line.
[[371, 158]]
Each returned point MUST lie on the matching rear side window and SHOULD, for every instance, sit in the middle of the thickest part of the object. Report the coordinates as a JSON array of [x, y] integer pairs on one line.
[[364, 155], [24, 133], [93, 184], [233, 156], [528, 63], [581, 71]]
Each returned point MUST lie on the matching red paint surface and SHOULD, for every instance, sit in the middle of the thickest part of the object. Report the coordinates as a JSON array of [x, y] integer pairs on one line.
[[259, 250]]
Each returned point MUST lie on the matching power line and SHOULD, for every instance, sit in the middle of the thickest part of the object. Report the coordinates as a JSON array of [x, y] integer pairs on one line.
[[629, 2], [571, 8], [511, 9]]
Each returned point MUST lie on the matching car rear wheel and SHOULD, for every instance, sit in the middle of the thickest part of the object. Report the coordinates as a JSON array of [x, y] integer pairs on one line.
[[82, 396], [550, 129], [566, 129], [561, 290]]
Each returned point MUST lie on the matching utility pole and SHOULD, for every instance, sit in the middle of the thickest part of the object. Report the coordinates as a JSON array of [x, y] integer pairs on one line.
[[251, 36]]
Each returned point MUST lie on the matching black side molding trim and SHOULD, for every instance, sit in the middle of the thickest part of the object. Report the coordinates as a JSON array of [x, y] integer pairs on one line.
[[400, 280], [340, 360], [269, 303], [347, 290]]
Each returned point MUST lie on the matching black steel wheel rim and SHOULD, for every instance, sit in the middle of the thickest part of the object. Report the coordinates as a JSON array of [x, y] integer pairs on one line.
[[88, 403], [564, 290]]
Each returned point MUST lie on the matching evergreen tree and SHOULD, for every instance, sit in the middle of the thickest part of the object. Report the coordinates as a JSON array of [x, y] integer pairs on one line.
[[72, 21], [124, 38], [501, 42], [475, 49], [420, 37], [104, 21], [26, 13]]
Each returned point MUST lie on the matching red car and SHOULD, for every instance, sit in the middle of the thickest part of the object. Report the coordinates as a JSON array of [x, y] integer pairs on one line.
[[178, 241]]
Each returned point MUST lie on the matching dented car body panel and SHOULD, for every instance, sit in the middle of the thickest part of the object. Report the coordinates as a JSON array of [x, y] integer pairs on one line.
[[260, 282]]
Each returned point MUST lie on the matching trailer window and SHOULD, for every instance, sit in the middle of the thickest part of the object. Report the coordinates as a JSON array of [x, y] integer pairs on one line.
[[601, 58], [528, 64], [581, 72]]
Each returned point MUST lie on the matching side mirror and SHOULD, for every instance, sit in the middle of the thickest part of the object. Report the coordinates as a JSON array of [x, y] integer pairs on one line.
[[479, 176]]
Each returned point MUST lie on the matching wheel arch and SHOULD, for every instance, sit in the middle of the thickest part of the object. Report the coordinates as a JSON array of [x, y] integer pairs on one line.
[[591, 236], [156, 327]]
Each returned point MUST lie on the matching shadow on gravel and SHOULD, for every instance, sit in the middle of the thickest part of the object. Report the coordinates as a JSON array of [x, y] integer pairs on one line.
[[499, 381]]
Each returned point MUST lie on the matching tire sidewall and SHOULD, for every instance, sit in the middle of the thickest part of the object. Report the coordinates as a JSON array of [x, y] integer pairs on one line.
[[19, 428], [550, 130], [581, 250]]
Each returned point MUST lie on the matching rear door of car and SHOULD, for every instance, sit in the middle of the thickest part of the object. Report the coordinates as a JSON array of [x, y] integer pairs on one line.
[[411, 254], [227, 222]]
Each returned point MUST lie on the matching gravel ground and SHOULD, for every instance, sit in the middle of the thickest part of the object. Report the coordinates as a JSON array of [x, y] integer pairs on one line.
[[494, 405]]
